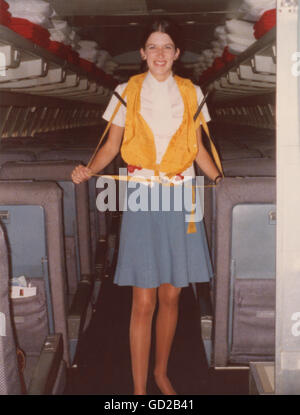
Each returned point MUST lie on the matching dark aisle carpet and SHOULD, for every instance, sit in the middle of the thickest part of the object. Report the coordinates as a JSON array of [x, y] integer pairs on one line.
[[104, 357]]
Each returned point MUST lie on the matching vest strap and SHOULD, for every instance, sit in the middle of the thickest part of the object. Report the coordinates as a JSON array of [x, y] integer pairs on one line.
[[108, 126], [212, 146]]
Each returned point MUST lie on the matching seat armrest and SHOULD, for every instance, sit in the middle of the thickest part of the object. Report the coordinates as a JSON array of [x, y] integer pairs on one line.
[[47, 368], [77, 312]]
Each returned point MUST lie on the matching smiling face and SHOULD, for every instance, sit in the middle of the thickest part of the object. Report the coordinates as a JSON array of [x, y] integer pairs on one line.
[[160, 53]]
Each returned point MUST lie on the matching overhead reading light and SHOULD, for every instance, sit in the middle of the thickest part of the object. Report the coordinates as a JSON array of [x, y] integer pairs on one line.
[[133, 23], [190, 22]]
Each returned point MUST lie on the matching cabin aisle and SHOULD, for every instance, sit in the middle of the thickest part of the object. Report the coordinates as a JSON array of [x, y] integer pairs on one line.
[[104, 361]]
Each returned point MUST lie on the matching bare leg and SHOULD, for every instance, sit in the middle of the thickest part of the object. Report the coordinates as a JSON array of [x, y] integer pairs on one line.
[[143, 305], [165, 329]]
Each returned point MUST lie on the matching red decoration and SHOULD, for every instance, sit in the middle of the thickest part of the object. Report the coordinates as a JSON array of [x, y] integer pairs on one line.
[[227, 56], [37, 34], [4, 5], [265, 23], [132, 168], [72, 56], [87, 65], [58, 49], [5, 16], [218, 64]]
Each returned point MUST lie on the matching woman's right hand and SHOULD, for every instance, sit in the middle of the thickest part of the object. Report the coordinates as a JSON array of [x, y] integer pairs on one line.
[[81, 174]]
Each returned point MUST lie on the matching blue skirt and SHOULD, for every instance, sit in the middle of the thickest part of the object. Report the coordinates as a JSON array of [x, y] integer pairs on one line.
[[155, 247]]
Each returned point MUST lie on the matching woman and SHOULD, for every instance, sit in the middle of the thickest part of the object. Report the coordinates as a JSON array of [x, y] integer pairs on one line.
[[158, 255]]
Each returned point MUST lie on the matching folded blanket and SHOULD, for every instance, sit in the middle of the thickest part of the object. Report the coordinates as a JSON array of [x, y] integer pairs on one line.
[[236, 48], [87, 65], [220, 30], [88, 54], [217, 52], [207, 53], [239, 27], [5, 19], [58, 49], [252, 10], [88, 44], [217, 44], [38, 7], [31, 31], [102, 57], [5, 16], [34, 18], [200, 59], [73, 56], [231, 38], [201, 66], [110, 66], [73, 36], [57, 35], [228, 56], [209, 62], [4, 5], [62, 26], [265, 23], [222, 38], [218, 64]]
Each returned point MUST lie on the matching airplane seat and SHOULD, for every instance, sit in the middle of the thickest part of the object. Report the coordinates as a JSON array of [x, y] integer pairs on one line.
[[32, 145], [244, 285], [253, 139], [244, 167], [239, 153], [76, 230], [247, 167], [10, 382], [100, 222], [250, 167], [38, 282], [84, 156], [15, 155]]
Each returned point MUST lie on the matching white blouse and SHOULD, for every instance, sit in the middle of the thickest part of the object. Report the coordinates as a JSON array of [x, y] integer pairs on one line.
[[162, 108]]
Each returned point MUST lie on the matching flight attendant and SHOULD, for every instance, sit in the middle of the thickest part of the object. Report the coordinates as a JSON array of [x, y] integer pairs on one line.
[[160, 252]]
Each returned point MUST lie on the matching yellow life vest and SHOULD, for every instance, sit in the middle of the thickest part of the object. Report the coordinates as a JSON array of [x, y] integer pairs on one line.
[[138, 147]]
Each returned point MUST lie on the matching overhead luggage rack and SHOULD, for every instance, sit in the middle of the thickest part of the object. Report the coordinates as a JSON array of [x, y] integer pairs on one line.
[[244, 89], [246, 63], [52, 93], [42, 92], [17, 49]]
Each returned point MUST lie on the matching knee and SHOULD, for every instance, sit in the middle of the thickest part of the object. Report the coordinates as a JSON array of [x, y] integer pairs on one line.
[[169, 297], [143, 306]]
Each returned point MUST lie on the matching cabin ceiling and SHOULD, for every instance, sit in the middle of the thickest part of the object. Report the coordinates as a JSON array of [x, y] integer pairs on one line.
[[117, 25]]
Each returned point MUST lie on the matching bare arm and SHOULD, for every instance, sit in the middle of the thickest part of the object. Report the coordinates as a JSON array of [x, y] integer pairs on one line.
[[204, 160], [109, 150], [103, 157]]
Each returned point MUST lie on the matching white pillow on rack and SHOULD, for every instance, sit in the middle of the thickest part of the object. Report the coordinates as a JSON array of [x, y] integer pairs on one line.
[[239, 27], [36, 7], [236, 48], [88, 44], [231, 38], [253, 9]]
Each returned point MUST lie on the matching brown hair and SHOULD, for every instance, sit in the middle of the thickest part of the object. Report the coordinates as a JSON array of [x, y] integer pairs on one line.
[[163, 26]]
